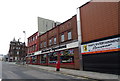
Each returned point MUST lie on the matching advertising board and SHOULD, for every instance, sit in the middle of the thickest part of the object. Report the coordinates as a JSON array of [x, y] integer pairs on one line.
[[101, 46]]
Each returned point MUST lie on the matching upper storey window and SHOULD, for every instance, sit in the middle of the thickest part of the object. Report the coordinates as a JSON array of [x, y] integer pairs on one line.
[[54, 40], [69, 35], [62, 38], [50, 42]]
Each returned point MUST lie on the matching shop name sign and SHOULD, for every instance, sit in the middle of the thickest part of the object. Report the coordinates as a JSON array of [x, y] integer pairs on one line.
[[54, 48], [101, 46]]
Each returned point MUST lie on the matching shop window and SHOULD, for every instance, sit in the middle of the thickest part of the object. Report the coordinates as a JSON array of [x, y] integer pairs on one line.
[[69, 35], [62, 37], [34, 59], [43, 59], [67, 56], [52, 57]]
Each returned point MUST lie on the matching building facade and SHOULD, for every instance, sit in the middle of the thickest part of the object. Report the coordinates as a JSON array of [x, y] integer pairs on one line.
[[17, 51], [58, 44], [45, 25], [100, 36], [32, 46], [90, 40]]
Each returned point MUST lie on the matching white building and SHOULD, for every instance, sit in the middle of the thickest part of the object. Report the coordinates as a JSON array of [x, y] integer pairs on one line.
[[46, 24]]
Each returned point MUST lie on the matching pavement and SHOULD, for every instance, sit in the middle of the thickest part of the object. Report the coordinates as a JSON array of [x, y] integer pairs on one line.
[[78, 73]]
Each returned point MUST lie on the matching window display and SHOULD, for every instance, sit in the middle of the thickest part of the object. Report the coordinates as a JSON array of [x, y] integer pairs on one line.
[[43, 58], [34, 59], [67, 56], [52, 57]]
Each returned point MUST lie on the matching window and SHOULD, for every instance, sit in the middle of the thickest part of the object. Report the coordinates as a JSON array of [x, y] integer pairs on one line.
[[34, 47], [67, 56], [62, 37], [44, 44], [41, 45], [32, 38], [69, 35], [16, 47], [28, 50], [28, 41], [17, 52], [54, 40], [52, 57], [43, 58], [36, 37], [50, 42], [34, 59]]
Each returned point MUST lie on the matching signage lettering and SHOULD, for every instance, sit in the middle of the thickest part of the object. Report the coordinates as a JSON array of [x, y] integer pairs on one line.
[[108, 44], [54, 48]]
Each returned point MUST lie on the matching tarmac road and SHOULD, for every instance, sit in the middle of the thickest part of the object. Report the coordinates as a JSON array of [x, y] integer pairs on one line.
[[12, 71]]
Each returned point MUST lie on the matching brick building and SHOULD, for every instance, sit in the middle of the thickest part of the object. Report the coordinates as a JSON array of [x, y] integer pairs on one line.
[[17, 51], [32, 46], [94, 30], [100, 36], [58, 44]]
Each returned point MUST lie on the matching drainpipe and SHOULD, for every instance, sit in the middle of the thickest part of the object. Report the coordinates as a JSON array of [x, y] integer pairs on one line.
[[79, 37]]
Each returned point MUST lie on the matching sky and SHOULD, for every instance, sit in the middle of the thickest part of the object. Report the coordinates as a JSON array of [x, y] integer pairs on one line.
[[17, 16]]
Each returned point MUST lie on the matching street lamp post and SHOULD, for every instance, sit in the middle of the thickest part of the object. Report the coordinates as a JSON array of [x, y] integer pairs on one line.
[[24, 46], [24, 36], [18, 52], [79, 37]]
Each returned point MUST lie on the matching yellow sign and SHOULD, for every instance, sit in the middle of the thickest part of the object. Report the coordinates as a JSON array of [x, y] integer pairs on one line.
[[85, 47]]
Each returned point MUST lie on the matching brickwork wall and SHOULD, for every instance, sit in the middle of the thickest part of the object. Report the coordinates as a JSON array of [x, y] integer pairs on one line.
[[99, 20]]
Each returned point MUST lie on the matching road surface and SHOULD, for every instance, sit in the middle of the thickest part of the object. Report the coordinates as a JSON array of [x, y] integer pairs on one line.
[[13, 71]]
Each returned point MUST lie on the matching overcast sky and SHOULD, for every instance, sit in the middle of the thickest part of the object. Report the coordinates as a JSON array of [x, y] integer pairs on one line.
[[17, 16]]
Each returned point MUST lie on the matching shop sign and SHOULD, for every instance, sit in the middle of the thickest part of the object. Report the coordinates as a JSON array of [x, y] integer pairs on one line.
[[54, 48], [101, 46]]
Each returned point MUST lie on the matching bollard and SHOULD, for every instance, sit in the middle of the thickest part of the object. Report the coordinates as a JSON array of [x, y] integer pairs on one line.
[[58, 66]]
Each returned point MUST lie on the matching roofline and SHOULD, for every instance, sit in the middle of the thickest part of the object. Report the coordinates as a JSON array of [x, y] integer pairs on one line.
[[85, 4], [58, 25], [32, 35], [88, 3]]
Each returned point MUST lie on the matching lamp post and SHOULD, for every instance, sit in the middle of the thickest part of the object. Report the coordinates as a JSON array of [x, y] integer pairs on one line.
[[18, 51], [79, 37], [24, 36], [24, 47]]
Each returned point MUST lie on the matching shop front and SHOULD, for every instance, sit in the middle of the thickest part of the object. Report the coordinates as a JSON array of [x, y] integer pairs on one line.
[[102, 55], [64, 54]]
